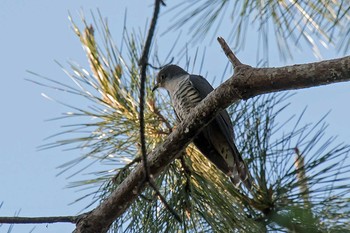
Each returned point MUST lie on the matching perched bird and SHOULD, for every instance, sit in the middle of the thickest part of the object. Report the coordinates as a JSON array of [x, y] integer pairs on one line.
[[215, 141]]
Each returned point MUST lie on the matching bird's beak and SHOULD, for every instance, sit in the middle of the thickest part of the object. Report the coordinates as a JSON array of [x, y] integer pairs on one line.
[[155, 87]]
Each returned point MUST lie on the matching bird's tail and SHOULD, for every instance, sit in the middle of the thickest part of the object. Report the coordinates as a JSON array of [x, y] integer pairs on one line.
[[241, 172], [240, 178]]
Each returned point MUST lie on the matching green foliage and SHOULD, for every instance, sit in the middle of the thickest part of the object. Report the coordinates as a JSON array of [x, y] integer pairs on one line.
[[297, 187], [302, 181], [110, 133], [316, 22]]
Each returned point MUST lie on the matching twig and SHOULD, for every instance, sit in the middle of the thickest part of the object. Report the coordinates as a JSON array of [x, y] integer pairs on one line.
[[162, 2], [154, 67], [143, 66], [163, 200], [38, 220], [161, 67], [233, 59], [143, 62], [236, 63]]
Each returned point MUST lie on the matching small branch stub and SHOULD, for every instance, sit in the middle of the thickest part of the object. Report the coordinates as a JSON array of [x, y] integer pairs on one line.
[[233, 59]]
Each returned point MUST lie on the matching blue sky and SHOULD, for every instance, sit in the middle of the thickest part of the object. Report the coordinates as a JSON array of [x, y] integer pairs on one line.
[[36, 33]]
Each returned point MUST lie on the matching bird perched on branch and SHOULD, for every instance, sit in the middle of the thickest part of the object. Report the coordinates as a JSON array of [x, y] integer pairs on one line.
[[215, 141]]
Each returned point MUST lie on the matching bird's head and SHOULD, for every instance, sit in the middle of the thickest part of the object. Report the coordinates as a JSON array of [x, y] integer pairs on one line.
[[169, 76]]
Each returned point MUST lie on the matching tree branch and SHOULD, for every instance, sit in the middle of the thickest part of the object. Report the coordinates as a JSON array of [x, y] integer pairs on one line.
[[44, 220], [143, 62], [143, 66], [248, 82], [229, 54]]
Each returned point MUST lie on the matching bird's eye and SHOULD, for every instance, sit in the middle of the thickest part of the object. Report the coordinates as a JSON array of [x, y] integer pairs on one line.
[[162, 77]]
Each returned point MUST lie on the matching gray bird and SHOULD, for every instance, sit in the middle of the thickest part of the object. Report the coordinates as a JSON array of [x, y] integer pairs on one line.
[[215, 141]]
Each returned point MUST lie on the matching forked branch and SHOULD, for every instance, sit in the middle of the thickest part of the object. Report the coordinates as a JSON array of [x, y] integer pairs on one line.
[[246, 84]]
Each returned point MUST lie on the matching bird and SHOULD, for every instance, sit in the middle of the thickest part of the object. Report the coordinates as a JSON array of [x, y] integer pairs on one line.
[[216, 140]]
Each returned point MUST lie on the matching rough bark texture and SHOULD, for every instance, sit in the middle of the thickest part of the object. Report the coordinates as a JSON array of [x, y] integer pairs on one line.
[[246, 83]]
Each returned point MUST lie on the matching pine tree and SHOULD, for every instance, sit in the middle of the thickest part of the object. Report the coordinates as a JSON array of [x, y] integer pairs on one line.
[[302, 177]]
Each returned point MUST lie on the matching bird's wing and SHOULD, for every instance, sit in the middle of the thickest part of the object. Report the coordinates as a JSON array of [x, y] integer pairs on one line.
[[204, 88], [225, 125]]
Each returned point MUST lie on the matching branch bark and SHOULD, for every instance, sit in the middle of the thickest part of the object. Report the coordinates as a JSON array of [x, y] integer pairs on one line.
[[143, 62], [143, 66], [246, 83], [44, 220]]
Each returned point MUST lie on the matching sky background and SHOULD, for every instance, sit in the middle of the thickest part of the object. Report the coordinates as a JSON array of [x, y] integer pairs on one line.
[[36, 33]]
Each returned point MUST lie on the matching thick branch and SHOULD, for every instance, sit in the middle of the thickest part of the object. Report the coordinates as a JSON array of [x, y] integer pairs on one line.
[[248, 82], [267, 80]]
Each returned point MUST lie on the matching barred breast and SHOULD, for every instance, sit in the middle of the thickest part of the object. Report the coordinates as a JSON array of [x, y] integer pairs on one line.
[[185, 98]]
